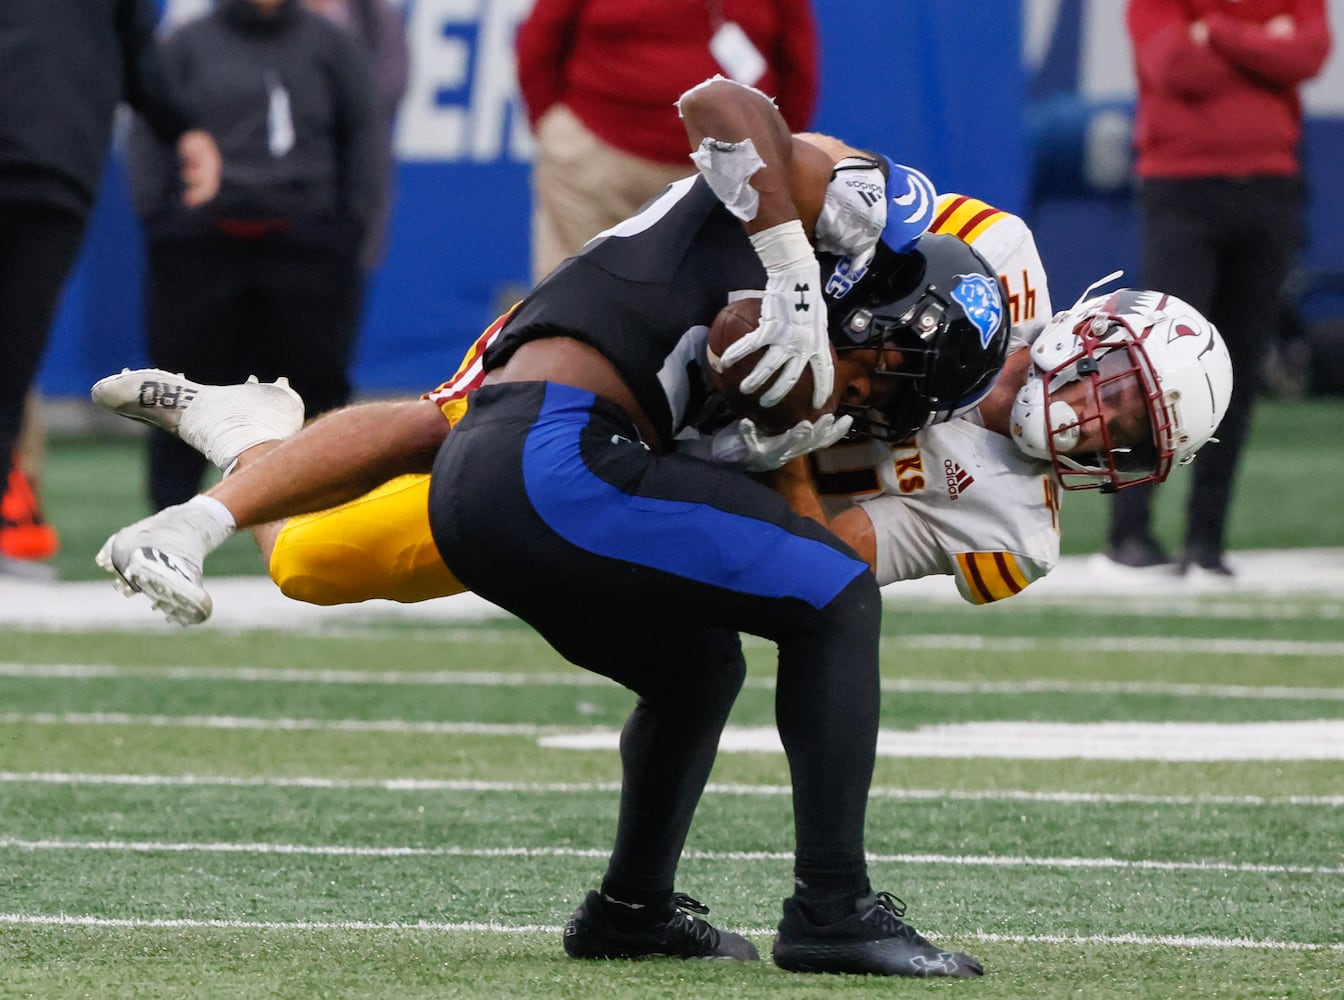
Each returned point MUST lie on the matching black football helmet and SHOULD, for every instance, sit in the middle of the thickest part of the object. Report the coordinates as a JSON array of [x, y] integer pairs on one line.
[[941, 305]]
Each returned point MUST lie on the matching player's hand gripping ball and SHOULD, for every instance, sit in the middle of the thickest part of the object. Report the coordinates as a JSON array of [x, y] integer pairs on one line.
[[734, 321]]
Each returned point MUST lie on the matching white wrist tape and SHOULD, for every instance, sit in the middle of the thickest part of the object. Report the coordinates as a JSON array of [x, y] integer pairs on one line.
[[784, 247], [728, 168]]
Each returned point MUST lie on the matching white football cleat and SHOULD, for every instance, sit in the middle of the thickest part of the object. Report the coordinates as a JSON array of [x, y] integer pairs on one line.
[[219, 421], [161, 557]]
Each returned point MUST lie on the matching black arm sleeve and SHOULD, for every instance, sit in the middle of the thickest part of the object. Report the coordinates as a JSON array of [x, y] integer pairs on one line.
[[145, 84]]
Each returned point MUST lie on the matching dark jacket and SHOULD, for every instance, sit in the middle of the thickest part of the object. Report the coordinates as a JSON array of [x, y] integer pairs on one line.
[[64, 65], [289, 100]]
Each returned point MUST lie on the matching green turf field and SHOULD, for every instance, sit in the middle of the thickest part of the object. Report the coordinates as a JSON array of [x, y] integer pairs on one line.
[[392, 810], [377, 811]]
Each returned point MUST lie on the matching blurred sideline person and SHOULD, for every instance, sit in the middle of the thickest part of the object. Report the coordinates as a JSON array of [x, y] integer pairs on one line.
[[266, 278], [581, 518], [600, 81], [1219, 121], [380, 27], [64, 66]]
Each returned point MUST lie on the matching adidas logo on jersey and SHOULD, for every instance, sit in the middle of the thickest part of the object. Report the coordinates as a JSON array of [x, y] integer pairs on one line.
[[958, 479]]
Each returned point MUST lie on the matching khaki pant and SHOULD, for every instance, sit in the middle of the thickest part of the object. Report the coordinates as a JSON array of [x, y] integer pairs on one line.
[[581, 186]]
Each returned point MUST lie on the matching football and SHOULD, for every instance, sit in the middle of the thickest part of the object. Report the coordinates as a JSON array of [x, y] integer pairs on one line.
[[735, 321]]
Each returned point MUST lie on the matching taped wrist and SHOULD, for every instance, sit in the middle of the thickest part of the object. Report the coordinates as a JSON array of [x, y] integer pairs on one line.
[[727, 168], [784, 247]]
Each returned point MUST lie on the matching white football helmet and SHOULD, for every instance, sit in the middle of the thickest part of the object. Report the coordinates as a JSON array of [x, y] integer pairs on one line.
[[1156, 379]]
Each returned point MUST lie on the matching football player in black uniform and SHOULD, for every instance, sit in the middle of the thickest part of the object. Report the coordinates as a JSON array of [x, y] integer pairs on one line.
[[643, 564], [560, 497]]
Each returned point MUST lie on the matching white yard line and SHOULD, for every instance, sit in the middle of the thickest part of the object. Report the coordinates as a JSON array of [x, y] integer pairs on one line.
[[276, 725], [512, 679], [1312, 739], [1123, 644], [583, 788], [941, 860], [469, 927], [1301, 578], [286, 675]]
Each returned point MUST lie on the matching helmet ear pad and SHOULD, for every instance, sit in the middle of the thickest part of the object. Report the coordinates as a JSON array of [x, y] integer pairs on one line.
[[942, 306]]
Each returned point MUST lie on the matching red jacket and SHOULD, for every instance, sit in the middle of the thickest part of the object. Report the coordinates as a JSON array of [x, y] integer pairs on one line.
[[620, 65], [1228, 108]]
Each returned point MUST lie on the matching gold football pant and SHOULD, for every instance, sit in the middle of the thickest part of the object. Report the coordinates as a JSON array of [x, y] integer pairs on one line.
[[378, 545]]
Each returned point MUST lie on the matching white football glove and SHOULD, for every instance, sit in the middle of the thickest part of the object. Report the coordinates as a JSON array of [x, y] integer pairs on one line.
[[742, 445], [792, 327], [854, 211]]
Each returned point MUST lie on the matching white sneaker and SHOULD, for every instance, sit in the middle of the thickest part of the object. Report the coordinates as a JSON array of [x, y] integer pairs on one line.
[[219, 421], [161, 557]]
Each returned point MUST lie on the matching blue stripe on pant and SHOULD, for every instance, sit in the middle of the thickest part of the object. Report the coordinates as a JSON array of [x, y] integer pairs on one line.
[[686, 538]]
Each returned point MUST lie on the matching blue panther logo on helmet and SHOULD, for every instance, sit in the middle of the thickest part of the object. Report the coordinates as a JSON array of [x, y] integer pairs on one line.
[[983, 302]]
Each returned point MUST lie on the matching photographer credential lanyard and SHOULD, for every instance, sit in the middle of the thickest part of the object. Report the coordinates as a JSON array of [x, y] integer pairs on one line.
[[732, 49]]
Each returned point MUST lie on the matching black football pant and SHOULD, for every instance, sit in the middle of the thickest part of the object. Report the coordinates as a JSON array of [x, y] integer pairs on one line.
[[38, 247], [1224, 246], [644, 568]]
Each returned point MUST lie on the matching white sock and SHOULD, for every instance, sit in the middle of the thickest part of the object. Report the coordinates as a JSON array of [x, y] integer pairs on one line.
[[215, 520]]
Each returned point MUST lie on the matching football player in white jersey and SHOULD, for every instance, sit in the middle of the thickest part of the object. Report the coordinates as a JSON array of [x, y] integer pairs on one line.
[[958, 498], [978, 497], [1137, 382]]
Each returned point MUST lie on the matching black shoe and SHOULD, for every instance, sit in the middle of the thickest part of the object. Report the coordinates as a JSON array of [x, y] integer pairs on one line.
[[1141, 552], [592, 933], [873, 941], [1208, 562]]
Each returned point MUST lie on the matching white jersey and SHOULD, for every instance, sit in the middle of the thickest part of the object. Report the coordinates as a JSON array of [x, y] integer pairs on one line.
[[958, 499]]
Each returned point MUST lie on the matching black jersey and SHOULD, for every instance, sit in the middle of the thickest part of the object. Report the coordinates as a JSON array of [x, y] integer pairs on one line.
[[644, 293]]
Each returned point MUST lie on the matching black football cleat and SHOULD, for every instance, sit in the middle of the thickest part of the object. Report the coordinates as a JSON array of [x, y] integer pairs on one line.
[[1141, 552], [592, 933], [874, 941]]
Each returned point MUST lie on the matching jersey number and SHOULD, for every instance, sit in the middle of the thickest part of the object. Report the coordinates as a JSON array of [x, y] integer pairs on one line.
[[1023, 304]]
